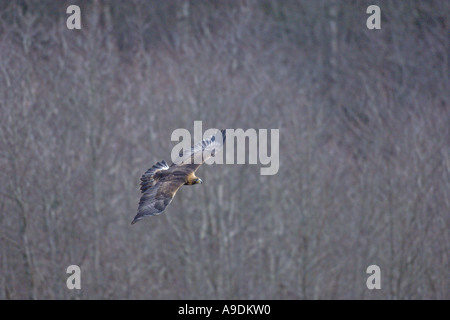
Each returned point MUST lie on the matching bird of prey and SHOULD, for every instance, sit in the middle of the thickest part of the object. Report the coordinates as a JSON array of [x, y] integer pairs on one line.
[[160, 183]]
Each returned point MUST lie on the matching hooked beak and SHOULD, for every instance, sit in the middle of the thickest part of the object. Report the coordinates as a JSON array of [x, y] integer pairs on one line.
[[199, 181]]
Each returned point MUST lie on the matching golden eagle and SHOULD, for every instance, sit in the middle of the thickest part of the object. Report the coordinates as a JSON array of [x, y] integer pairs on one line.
[[160, 183]]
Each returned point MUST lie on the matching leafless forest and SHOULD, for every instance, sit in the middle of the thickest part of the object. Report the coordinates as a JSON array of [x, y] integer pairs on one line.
[[364, 124]]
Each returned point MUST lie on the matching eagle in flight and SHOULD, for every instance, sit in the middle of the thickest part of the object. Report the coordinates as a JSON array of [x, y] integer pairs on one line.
[[160, 183]]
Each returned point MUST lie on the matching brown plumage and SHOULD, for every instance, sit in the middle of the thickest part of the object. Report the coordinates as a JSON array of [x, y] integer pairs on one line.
[[160, 183]]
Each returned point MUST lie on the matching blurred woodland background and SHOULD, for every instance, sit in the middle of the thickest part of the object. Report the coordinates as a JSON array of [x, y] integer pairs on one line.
[[364, 123]]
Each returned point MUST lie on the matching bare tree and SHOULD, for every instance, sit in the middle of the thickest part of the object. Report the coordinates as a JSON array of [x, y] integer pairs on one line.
[[364, 151]]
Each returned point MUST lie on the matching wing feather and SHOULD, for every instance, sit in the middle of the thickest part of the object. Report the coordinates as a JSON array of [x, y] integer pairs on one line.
[[192, 159], [156, 198], [148, 178]]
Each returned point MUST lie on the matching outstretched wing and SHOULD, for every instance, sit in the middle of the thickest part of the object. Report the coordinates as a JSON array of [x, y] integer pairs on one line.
[[157, 197], [192, 159], [158, 187]]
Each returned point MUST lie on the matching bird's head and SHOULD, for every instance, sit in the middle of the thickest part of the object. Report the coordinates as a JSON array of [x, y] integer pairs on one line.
[[198, 181]]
